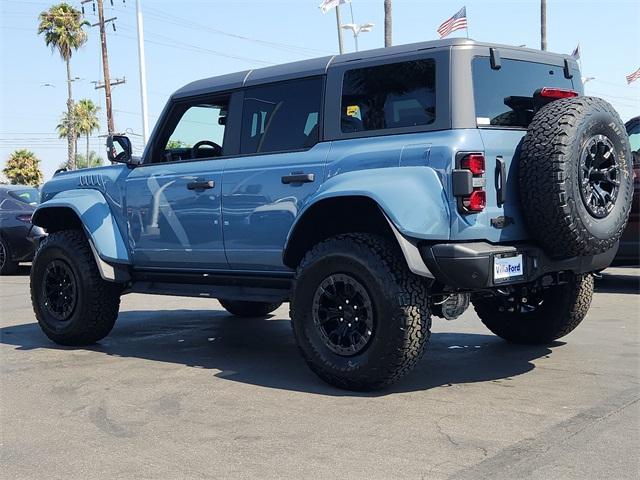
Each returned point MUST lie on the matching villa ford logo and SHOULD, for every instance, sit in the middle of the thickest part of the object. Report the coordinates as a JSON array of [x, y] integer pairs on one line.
[[508, 269]]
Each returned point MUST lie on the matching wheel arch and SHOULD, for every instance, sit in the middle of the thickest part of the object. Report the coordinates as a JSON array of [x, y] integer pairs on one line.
[[347, 214], [88, 210], [405, 203]]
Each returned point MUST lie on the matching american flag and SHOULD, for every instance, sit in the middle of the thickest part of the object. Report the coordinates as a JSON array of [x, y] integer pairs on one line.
[[457, 22], [633, 77], [576, 52]]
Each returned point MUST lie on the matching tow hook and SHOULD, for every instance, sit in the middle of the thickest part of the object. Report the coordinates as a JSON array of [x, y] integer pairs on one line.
[[452, 306]]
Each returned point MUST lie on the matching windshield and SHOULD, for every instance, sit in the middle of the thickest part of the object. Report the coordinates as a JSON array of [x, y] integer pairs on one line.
[[30, 196]]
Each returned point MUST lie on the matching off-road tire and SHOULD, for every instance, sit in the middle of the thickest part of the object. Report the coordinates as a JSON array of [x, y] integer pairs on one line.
[[241, 308], [97, 301], [400, 302], [563, 308], [549, 174], [7, 266]]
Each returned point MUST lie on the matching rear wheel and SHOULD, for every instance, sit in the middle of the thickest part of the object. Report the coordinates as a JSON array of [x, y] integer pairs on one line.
[[7, 266], [360, 317], [537, 316], [73, 304], [241, 308]]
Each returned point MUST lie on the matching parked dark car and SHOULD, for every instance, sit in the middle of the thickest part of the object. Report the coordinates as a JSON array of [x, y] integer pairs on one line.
[[18, 237], [629, 251]]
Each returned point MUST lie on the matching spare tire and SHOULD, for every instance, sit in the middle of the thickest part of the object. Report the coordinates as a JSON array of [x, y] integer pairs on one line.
[[575, 177]]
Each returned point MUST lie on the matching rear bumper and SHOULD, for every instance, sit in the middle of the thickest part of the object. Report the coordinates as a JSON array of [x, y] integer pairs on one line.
[[470, 266]]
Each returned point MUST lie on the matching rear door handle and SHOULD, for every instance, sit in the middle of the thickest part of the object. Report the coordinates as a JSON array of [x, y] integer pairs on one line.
[[501, 178], [201, 185], [299, 178]]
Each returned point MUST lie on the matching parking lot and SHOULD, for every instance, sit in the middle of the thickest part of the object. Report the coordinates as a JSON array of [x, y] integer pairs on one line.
[[181, 389]]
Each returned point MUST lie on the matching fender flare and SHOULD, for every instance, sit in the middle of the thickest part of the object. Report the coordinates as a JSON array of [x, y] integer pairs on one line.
[[412, 199], [94, 213]]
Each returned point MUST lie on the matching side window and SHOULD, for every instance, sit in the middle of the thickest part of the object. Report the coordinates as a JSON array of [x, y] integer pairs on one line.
[[281, 116], [389, 96], [198, 131]]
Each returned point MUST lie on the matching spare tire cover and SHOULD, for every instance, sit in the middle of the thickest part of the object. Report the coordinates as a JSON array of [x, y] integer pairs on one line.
[[575, 177]]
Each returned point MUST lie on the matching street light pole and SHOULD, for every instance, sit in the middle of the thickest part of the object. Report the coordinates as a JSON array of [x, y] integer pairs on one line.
[[339, 23], [358, 29], [143, 74]]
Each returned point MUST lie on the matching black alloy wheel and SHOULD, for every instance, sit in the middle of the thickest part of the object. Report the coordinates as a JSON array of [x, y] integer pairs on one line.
[[600, 180], [59, 289], [343, 314]]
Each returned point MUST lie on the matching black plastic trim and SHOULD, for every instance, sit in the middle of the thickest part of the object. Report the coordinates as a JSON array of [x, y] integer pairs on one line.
[[469, 266]]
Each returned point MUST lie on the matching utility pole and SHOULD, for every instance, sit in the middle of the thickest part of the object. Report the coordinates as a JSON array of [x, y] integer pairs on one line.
[[105, 68], [543, 24], [388, 24], [143, 74]]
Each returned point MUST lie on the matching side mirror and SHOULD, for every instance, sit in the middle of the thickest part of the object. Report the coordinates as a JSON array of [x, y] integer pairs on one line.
[[119, 149]]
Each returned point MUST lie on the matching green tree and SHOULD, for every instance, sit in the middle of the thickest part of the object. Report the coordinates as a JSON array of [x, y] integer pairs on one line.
[[171, 144], [64, 127], [63, 29], [23, 168], [87, 122], [81, 161]]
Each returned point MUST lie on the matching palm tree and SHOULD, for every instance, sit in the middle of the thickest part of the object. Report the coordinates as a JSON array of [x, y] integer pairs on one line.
[[62, 26], [86, 113], [388, 37], [23, 168], [64, 127]]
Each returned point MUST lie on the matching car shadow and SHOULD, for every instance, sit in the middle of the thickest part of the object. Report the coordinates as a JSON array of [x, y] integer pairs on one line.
[[618, 282], [263, 352]]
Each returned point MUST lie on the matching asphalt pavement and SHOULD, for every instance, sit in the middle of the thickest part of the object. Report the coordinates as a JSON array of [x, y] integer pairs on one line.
[[183, 390]]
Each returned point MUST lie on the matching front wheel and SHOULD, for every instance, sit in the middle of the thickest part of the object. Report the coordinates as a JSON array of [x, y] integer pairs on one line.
[[537, 316], [73, 304], [360, 317]]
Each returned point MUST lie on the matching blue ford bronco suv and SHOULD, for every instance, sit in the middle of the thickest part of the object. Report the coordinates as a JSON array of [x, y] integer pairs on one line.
[[370, 190]]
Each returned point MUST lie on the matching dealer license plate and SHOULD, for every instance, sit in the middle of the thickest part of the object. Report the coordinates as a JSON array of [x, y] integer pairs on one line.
[[507, 267]]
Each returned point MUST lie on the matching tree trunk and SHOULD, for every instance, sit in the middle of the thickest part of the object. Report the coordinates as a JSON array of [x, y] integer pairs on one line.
[[71, 128], [388, 34], [543, 24], [87, 159]]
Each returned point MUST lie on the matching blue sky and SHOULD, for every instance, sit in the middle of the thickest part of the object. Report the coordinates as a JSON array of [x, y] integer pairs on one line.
[[191, 39]]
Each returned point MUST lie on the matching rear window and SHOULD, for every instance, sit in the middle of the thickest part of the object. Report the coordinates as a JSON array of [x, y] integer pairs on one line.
[[499, 93], [30, 196], [389, 96]]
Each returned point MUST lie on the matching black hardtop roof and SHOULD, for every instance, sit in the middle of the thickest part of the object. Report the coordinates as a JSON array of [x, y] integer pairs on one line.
[[319, 66]]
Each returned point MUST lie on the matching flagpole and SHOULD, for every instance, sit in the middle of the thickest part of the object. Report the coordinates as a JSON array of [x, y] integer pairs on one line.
[[466, 28], [339, 24]]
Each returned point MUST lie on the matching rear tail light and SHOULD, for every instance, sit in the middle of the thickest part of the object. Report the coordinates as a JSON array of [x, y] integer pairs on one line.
[[24, 217], [473, 162], [469, 182], [476, 201], [556, 93]]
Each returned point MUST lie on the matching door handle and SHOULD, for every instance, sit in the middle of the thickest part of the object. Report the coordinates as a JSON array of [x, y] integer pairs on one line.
[[501, 174], [201, 185], [299, 178]]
